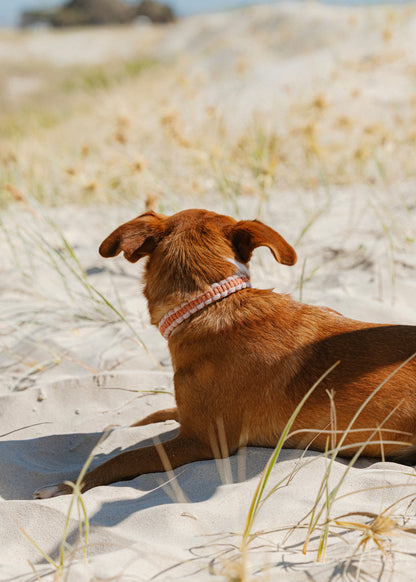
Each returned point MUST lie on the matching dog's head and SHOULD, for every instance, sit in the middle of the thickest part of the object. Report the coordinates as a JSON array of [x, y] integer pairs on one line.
[[191, 249]]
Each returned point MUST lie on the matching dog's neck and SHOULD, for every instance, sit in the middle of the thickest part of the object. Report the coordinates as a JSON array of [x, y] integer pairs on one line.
[[216, 292]]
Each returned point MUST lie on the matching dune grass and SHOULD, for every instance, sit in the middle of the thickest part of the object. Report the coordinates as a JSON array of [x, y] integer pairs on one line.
[[381, 526]]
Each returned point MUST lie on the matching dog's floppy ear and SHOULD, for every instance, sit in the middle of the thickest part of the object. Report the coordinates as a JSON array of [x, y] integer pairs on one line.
[[250, 234], [136, 238]]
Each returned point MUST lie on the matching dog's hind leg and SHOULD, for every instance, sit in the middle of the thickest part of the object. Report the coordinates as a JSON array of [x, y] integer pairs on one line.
[[159, 416]]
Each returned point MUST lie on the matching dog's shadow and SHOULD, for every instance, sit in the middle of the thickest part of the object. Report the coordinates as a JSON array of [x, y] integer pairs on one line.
[[26, 465], [39, 461]]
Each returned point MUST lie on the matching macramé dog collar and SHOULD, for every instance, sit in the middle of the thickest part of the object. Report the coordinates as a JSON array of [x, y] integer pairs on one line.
[[216, 292]]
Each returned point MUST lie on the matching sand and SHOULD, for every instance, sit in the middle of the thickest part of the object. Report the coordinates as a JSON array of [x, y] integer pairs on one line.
[[339, 84]]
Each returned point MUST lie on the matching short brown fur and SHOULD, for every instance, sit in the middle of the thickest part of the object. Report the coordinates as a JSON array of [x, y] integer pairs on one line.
[[242, 364]]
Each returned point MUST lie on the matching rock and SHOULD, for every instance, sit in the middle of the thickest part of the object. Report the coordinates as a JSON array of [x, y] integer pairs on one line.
[[155, 11], [98, 12]]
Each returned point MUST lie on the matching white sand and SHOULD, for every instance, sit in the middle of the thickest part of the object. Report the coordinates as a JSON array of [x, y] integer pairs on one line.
[[71, 367]]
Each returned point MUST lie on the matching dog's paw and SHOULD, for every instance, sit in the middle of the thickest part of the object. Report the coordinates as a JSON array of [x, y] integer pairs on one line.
[[52, 491]]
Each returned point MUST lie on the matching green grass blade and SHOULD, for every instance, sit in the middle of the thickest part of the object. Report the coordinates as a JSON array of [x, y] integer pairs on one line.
[[254, 507]]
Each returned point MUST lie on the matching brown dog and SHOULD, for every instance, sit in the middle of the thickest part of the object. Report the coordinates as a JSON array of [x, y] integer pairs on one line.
[[244, 358]]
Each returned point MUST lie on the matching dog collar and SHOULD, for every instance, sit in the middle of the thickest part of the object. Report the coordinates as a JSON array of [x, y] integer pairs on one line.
[[216, 292]]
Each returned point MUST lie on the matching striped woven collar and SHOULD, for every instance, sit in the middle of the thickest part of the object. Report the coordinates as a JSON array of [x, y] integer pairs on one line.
[[216, 292]]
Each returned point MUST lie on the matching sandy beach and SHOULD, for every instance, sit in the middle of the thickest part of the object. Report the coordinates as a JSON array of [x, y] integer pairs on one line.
[[301, 115]]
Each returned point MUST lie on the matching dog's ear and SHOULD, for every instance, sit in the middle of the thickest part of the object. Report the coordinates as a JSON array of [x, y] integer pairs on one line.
[[136, 238], [250, 234]]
